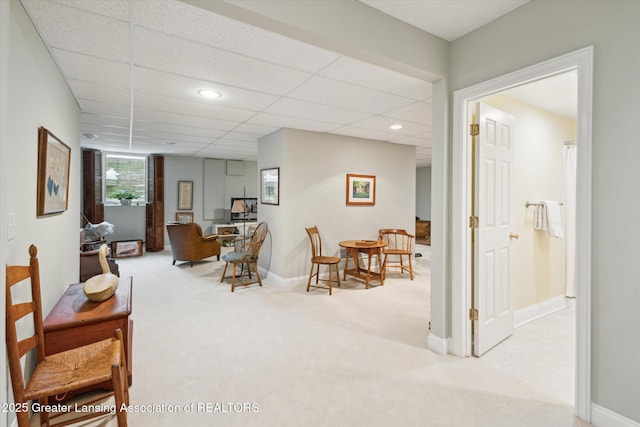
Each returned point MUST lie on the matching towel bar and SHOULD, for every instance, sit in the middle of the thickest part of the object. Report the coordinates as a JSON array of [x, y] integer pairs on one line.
[[527, 204]]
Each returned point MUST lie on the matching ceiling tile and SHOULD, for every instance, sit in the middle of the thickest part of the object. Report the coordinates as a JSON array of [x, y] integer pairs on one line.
[[202, 108], [364, 133], [359, 73], [118, 9], [382, 123], [109, 38], [418, 112], [413, 140], [90, 91], [170, 54], [312, 111], [196, 24], [331, 92], [172, 85], [87, 68], [184, 120], [291, 122]]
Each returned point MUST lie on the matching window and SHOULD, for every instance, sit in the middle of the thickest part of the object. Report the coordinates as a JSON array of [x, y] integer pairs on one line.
[[125, 173]]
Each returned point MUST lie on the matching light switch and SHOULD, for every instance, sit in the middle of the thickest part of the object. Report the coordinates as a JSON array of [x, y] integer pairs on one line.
[[11, 226]]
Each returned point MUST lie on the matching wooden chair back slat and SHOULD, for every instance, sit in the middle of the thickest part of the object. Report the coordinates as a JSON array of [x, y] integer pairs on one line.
[[27, 344], [316, 241], [18, 311]]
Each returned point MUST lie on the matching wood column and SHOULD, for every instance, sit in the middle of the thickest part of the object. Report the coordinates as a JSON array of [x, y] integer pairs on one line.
[[92, 203], [155, 204]]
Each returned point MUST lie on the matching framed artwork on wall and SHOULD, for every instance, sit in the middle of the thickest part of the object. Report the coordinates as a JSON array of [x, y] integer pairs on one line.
[[184, 217], [270, 186], [185, 195], [54, 160], [361, 190]]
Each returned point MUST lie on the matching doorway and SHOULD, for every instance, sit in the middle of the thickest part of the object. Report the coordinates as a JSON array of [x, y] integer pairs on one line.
[[461, 266]]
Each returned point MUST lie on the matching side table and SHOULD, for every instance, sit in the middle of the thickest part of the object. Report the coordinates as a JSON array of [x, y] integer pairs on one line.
[[76, 321]]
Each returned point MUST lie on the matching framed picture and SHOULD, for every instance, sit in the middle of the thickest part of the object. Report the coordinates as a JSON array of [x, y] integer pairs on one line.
[[361, 190], [184, 217], [54, 159], [126, 248], [270, 186], [185, 195]]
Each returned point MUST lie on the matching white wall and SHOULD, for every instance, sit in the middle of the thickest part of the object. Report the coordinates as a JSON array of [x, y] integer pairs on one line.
[[313, 169], [5, 23], [182, 168], [538, 174], [38, 96], [423, 193], [542, 30]]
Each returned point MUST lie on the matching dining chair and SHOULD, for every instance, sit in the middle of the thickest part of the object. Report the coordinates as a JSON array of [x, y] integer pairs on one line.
[[317, 259], [246, 251], [399, 244], [57, 374]]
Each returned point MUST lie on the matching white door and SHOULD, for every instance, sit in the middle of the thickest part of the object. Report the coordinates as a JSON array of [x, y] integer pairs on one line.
[[492, 251]]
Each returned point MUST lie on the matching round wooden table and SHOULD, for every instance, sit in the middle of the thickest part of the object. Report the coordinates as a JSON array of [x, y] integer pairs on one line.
[[369, 247]]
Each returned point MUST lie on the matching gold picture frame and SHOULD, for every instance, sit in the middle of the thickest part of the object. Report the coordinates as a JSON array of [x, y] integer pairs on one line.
[[184, 217], [54, 161], [361, 190]]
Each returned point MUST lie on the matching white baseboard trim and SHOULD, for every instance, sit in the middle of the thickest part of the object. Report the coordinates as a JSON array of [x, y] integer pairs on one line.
[[603, 417], [281, 282], [436, 344], [536, 311]]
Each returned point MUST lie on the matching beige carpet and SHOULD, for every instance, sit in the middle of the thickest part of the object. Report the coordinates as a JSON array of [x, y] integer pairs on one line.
[[279, 356]]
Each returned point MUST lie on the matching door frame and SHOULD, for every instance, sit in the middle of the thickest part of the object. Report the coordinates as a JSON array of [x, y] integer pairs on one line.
[[461, 190]]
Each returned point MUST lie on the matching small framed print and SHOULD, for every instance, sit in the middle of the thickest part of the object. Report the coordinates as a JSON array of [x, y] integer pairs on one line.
[[54, 160], [185, 195], [126, 248], [184, 217], [270, 186], [361, 190]]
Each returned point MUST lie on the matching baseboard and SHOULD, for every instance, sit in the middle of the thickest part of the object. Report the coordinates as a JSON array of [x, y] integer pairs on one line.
[[603, 417], [281, 282], [536, 311], [436, 344]]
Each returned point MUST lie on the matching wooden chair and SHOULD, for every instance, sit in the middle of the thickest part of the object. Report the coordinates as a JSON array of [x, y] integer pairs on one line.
[[317, 259], [399, 244], [57, 374], [246, 252]]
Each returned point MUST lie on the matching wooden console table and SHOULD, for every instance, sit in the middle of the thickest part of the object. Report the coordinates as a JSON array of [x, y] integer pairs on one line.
[[76, 321]]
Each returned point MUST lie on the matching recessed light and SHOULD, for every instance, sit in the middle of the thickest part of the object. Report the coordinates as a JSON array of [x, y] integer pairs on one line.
[[395, 127], [90, 135], [210, 94], [171, 143]]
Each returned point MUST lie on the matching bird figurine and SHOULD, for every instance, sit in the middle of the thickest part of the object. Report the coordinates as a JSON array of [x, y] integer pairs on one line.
[[103, 286]]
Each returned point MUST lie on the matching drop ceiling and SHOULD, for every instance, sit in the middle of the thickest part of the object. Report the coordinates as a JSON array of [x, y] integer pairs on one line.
[[267, 81]]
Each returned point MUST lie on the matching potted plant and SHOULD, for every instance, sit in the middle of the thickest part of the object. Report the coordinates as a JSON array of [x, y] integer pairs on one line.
[[125, 197]]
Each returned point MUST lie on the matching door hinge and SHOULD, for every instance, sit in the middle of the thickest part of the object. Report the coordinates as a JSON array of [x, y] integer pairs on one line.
[[474, 129], [474, 222], [473, 314]]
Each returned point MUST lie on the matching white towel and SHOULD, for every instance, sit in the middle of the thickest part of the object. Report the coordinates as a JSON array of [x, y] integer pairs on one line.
[[540, 217], [553, 219]]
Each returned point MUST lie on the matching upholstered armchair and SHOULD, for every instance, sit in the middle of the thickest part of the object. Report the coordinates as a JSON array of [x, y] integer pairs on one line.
[[188, 243]]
